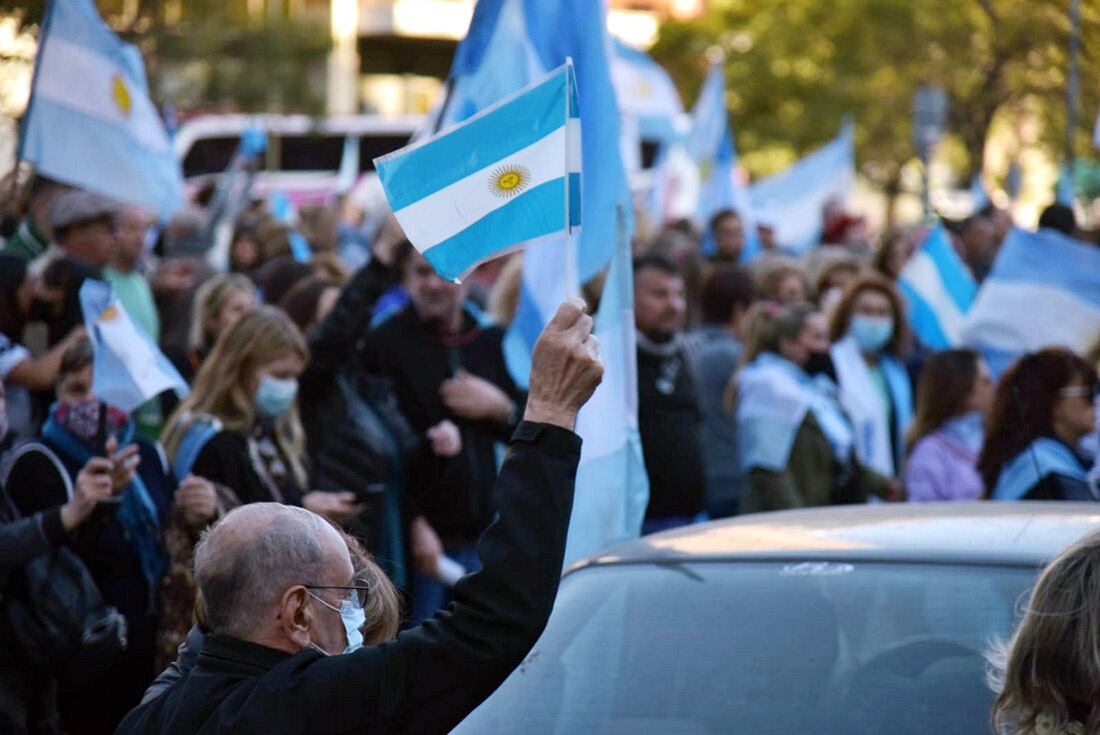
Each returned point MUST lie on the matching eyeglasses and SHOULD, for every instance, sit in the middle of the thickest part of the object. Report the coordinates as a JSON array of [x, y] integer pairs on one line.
[[1080, 391], [360, 592]]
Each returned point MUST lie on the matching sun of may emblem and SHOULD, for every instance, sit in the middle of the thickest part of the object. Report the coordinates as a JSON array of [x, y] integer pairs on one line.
[[120, 94], [507, 181]]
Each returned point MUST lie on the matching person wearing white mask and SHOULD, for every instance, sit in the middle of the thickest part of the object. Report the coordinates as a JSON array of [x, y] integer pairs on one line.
[[869, 334]]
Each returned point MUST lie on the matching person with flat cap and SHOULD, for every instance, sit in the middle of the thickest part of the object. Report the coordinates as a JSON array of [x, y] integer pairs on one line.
[[83, 225], [282, 612]]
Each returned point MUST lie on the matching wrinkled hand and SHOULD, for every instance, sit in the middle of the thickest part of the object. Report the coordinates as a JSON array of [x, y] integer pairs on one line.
[[337, 507], [895, 492], [93, 484], [426, 547], [445, 438], [565, 367], [124, 464], [198, 501], [470, 397]]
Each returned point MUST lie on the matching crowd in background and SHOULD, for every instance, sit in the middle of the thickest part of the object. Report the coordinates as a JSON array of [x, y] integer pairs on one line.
[[357, 383]]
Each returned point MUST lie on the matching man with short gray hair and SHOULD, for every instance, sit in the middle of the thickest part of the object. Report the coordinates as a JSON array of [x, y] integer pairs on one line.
[[281, 605]]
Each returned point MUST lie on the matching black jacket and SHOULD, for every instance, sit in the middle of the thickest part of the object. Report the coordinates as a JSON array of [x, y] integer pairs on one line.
[[431, 676], [226, 460], [453, 494], [669, 421]]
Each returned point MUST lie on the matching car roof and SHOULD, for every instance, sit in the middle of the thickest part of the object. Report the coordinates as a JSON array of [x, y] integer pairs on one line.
[[1018, 534]]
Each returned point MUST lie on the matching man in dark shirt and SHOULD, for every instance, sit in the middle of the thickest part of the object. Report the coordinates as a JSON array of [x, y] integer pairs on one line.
[[276, 582], [668, 407], [445, 362]]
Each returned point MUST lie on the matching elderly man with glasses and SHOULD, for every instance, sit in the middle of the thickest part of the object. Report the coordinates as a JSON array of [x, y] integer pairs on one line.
[[283, 610]]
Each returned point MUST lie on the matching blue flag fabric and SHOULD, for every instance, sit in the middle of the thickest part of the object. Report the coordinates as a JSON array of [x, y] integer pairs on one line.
[[711, 146], [612, 485], [129, 369], [1043, 291], [90, 122], [938, 290], [511, 43], [794, 198], [507, 175]]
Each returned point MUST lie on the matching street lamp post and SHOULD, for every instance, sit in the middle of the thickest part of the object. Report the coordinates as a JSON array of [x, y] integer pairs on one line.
[[929, 116]]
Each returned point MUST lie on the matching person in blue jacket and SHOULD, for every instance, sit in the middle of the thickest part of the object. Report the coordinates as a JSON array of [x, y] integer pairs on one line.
[[1044, 406]]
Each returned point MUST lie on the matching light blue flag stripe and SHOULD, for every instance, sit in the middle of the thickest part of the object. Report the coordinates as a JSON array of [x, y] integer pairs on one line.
[[957, 281], [1049, 258], [923, 319], [497, 132], [113, 166], [529, 215]]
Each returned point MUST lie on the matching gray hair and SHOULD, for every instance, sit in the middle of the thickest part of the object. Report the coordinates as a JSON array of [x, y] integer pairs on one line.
[[245, 563]]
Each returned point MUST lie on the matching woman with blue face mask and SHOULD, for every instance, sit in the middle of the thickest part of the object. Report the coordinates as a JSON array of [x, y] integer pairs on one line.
[[953, 399], [868, 331]]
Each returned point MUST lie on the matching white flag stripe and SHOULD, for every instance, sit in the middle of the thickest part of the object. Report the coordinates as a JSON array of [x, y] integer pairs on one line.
[[85, 81], [1016, 317], [923, 276], [573, 128], [452, 209]]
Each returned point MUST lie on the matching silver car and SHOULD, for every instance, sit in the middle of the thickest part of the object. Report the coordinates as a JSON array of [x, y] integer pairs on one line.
[[848, 620]]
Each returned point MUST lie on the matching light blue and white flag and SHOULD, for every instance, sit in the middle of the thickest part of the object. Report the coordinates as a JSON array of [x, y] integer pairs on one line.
[[646, 93], [612, 486], [509, 174], [711, 146], [510, 44], [1043, 291], [794, 198], [90, 122], [939, 290], [129, 369]]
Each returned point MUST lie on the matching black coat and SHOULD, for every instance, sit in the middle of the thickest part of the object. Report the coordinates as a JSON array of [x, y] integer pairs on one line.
[[454, 494], [431, 676]]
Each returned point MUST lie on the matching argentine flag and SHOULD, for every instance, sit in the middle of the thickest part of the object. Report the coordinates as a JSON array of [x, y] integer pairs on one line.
[[646, 93], [90, 122], [794, 198], [509, 174], [612, 488], [939, 290], [711, 146], [129, 369], [1044, 290]]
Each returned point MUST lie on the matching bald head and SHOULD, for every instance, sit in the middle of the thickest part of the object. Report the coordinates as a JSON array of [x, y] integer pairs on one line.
[[245, 564]]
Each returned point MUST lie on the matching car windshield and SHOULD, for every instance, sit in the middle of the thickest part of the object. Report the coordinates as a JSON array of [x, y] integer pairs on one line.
[[813, 647]]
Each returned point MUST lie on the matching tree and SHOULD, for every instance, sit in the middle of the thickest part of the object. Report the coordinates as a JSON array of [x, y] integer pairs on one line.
[[795, 69], [212, 53]]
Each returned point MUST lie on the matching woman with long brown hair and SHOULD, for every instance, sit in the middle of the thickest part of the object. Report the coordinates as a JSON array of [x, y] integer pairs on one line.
[[954, 396], [1047, 676], [1044, 405]]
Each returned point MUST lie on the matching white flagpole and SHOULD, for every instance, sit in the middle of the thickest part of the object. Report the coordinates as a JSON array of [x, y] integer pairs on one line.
[[572, 284]]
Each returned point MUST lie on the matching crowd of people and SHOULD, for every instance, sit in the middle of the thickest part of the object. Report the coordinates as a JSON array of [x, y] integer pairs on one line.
[[358, 384]]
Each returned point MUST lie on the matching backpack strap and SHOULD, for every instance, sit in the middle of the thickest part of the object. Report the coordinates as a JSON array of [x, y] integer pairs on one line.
[[201, 431]]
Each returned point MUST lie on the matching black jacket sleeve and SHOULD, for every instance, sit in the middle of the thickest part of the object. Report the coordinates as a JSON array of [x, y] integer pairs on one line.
[[431, 677], [23, 539], [333, 343]]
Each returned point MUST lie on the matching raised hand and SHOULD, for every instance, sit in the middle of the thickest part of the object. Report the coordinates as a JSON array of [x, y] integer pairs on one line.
[[565, 367]]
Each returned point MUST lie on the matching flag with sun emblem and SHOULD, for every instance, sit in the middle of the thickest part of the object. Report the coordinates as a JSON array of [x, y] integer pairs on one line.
[[483, 187], [90, 122]]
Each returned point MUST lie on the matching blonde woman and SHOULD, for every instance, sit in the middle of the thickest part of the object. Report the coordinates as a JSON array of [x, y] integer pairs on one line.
[[1048, 674], [218, 304], [240, 423]]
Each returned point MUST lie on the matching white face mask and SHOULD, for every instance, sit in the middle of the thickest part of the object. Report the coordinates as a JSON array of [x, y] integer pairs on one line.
[[353, 617], [275, 396]]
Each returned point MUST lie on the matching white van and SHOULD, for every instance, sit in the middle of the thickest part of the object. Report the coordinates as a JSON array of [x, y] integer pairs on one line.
[[303, 155]]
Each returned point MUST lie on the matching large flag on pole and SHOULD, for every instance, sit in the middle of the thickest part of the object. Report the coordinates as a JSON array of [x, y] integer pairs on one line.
[[939, 290], [646, 93], [509, 174], [90, 121], [711, 146], [795, 197], [1043, 291], [129, 369], [612, 486]]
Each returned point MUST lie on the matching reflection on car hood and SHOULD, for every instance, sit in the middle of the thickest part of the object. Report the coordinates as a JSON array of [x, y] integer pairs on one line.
[[1026, 533]]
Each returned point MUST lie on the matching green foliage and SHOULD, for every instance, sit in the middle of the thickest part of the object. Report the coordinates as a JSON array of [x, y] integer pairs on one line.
[[210, 54], [794, 69]]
